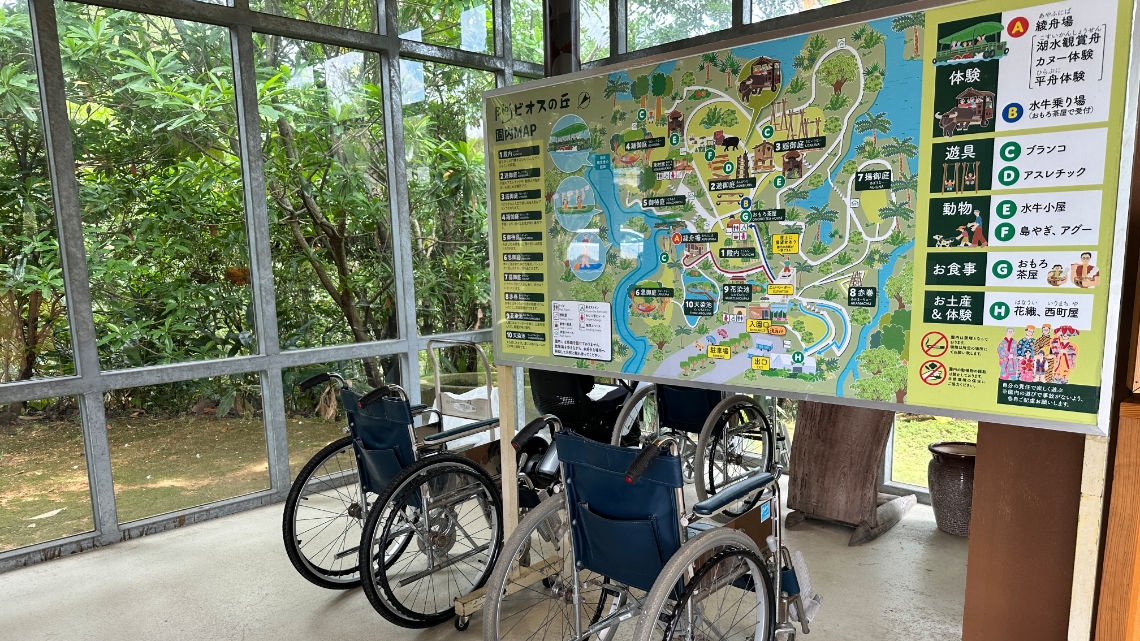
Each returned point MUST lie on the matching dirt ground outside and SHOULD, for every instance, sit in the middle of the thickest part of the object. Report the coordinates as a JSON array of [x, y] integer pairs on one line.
[[158, 465]]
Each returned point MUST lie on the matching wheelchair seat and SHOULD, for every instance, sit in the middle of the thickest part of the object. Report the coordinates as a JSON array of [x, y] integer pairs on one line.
[[620, 530], [381, 438], [567, 396]]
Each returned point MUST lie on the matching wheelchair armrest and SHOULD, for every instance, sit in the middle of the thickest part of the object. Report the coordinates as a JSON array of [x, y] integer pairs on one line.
[[734, 493], [418, 409], [461, 431]]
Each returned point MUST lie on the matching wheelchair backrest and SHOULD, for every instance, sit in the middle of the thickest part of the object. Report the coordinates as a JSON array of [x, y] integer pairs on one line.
[[624, 531], [381, 439], [685, 408]]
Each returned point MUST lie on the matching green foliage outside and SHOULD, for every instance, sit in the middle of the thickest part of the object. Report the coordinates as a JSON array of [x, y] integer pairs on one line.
[[152, 111], [913, 433]]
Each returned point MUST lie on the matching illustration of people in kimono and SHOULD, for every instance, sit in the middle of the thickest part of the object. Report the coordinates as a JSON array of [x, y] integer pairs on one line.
[[1065, 353], [1007, 357], [1044, 345], [1026, 349], [1040, 367]]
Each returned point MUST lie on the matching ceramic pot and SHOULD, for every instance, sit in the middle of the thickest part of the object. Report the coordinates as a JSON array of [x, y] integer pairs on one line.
[[950, 477]]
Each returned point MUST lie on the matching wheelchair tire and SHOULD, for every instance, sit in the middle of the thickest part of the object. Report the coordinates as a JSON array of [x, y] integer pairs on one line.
[[730, 420], [630, 418], [515, 612], [753, 586], [439, 558], [318, 538], [659, 605]]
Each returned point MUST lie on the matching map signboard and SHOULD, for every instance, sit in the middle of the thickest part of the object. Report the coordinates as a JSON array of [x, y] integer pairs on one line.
[[915, 211]]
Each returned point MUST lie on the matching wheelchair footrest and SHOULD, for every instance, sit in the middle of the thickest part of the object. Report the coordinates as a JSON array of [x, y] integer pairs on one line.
[[804, 609]]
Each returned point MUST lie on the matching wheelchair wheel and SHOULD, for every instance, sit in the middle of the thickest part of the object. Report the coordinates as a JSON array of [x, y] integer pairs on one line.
[[729, 598], [323, 515], [530, 593], [736, 439], [662, 601], [637, 421], [445, 516]]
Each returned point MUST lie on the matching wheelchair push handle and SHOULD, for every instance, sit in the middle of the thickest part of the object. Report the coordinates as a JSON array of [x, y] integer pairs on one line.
[[641, 463], [532, 428], [317, 379], [381, 392]]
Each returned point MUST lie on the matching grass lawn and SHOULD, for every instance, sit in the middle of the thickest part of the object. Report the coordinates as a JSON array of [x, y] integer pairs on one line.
[[913, 433], [158, 465]]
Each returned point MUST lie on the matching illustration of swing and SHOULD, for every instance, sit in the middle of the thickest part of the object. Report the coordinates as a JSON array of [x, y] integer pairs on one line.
[[963, 178]]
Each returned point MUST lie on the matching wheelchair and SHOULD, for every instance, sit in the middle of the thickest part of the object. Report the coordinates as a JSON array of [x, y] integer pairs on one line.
[[570, 397], [414, 524], [723, 438], [617, 545]]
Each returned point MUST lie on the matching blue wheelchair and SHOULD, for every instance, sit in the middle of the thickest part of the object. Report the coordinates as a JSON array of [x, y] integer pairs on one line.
[[723, 437], [618, 545], [416, 525]]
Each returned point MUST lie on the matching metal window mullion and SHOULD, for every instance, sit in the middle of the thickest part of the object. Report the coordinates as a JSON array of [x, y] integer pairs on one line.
[[260, 254], [73, 260], [741, 12], [399, 206], [503, 46], [619, 36]]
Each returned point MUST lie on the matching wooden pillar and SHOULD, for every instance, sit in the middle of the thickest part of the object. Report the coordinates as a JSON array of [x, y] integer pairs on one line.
[[1118, 609], [1023, 534], [508, 424]]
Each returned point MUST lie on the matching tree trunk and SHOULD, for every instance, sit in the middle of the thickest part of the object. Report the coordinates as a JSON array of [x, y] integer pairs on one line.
[[914, 40], [837, 86], [899, 300], [659, 114]]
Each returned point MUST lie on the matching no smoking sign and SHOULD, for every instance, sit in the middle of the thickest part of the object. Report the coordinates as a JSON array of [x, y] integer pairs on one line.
[[935, 344]]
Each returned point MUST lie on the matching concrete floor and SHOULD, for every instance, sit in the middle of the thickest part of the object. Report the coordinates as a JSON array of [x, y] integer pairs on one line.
[[230, 579]]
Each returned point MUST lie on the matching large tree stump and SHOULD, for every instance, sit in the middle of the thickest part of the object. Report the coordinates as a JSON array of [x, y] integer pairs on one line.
[[837, 452]]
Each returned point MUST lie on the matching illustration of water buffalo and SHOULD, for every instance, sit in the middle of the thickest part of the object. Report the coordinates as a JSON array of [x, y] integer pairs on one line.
[[957, 119], [729, 142]]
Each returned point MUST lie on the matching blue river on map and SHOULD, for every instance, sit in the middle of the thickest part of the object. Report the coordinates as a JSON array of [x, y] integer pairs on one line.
[[606, 191], [885, 272]]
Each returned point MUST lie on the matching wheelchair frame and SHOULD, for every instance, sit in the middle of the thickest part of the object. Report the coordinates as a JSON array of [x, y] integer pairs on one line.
[[697, 451], [504, 582], [425, 454]]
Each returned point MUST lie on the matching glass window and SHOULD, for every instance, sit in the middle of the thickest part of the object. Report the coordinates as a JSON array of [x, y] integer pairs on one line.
[[913, 433], [34, 340], [154, 124], [654, 22], [178, 445], [594, 29], [768, 9], [350, 14], [461, 24], [527, 30], [443, 138], [43, 473], [326, 176]]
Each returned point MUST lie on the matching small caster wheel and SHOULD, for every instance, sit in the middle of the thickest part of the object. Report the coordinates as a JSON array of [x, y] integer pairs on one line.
[[461, 623]]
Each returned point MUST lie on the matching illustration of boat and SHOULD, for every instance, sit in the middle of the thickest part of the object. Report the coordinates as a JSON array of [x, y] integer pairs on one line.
[[980, 42]]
